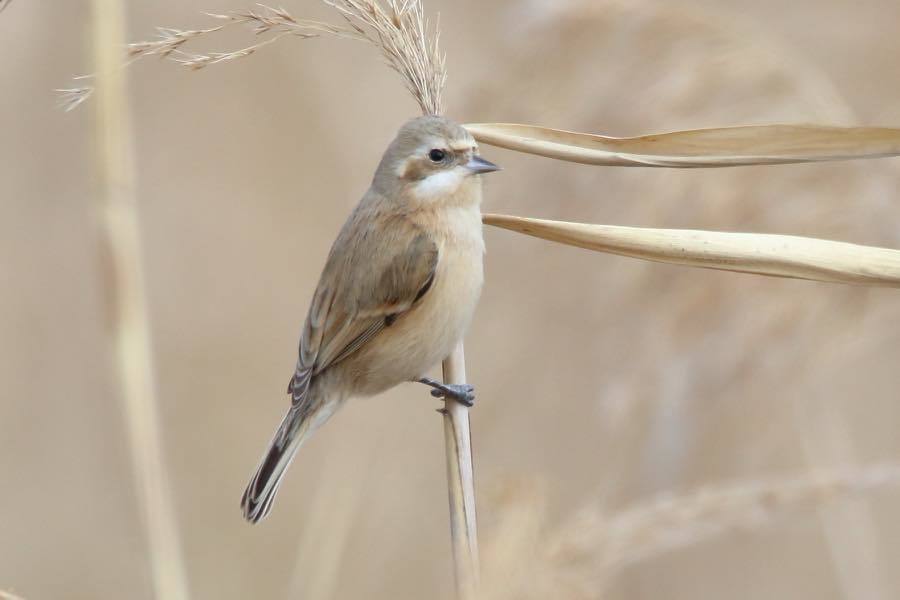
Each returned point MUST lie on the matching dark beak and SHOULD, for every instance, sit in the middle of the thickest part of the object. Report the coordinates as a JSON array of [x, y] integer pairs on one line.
[[478, 165]]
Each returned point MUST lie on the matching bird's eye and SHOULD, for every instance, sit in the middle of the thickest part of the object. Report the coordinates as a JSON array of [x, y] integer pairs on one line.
[[437, 155]]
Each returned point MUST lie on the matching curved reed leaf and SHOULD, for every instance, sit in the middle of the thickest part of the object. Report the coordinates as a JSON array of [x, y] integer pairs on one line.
[[757, 253], [721, 147]]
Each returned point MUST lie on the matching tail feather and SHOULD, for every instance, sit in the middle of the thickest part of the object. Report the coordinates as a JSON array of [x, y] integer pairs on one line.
[[301, 420]]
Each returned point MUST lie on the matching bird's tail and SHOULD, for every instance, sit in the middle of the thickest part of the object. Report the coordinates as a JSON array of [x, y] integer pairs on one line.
[[298, 424]]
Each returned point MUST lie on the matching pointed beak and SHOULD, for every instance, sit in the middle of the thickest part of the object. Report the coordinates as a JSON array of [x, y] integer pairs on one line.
[[478, 165]]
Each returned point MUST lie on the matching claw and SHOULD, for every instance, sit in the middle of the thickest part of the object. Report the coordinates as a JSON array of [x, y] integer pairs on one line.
[[462, 393]]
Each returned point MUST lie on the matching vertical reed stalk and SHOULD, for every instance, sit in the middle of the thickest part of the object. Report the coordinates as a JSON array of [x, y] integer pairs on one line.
[[461, 482], [850, 526], [117, 210]]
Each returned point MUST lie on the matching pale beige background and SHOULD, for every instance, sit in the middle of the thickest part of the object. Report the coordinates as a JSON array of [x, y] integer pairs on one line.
[[605, 379]]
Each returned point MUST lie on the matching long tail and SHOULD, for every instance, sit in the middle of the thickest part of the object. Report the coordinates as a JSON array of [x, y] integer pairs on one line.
[[298, 424]]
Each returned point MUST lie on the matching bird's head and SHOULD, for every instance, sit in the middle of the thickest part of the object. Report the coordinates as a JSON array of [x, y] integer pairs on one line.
[[431, 157]]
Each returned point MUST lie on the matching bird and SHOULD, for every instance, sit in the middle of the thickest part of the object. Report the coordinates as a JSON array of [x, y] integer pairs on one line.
[[397, 293]]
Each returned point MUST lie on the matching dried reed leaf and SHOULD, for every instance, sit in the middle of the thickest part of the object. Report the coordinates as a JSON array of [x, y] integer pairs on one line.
[[761, 254], [721, 147]]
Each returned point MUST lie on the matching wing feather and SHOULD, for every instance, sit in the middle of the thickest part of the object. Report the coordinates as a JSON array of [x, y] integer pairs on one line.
[[347, 311]]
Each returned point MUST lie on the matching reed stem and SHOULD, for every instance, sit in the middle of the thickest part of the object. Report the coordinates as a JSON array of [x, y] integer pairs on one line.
[[118, 215], [461, 481]]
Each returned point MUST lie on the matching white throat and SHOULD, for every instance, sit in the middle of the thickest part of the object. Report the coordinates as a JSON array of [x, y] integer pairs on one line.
[[440, 184]]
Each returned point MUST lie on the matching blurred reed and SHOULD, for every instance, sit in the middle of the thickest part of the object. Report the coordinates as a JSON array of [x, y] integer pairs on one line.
[[119, 218], [849, 527], [337, 503], [581, 557]]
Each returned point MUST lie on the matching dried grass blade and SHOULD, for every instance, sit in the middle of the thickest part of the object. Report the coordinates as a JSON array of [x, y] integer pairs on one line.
[[761, 254], [721, 147]]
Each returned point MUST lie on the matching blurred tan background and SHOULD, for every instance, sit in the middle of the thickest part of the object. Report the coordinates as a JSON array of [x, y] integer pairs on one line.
[[603, 380]]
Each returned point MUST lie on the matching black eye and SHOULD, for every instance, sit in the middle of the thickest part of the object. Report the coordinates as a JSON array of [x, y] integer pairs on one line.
[[437, 155]]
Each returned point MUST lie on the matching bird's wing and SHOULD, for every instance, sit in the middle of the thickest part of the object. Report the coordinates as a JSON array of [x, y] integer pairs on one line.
[[377, 270]]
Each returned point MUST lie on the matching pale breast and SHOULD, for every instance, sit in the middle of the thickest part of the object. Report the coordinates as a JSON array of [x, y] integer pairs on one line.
[[422, 337]]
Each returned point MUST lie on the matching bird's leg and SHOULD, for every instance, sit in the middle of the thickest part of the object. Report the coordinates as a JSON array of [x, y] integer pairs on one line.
[[464, 393]]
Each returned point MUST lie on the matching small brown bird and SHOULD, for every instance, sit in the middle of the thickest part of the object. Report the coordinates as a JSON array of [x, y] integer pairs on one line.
[[397, 292]]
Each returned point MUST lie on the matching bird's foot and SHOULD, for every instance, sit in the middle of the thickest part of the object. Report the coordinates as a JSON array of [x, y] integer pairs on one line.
[[462, 393]]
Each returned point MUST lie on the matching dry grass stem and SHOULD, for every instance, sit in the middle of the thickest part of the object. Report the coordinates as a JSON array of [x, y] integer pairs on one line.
[[117, 208], [397, 28], [757, 253], [336, 506], [71, 98], [461, 482], [270, 21], [584, 555], [722, 147], [405, 39], [3, 5]]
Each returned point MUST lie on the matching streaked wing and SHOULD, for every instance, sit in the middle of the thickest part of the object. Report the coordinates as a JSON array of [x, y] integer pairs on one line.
[[388, 268], [383, 286]]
